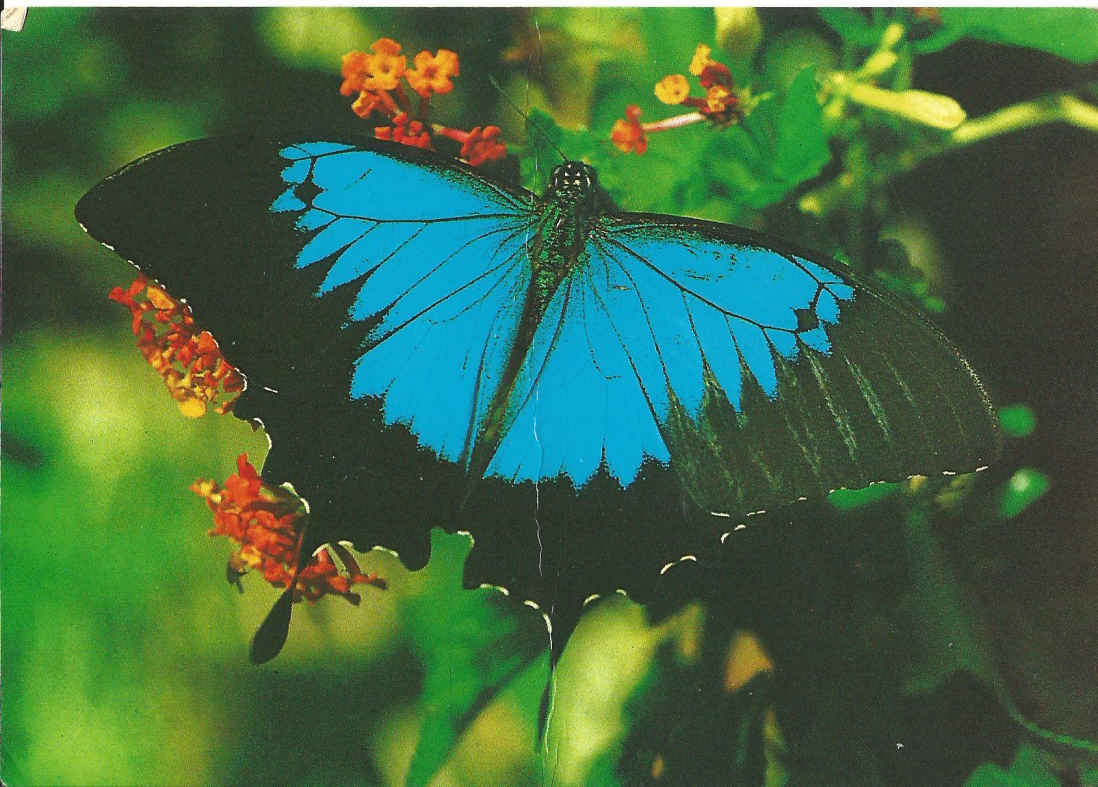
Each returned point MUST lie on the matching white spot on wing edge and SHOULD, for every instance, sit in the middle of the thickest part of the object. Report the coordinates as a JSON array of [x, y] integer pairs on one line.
[[257, 423], [947, 473], [673, 563], [386, 550], [498, 588], [596, 596]]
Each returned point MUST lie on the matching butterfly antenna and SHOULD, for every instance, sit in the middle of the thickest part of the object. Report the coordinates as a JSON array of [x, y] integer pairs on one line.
[[530, 123]]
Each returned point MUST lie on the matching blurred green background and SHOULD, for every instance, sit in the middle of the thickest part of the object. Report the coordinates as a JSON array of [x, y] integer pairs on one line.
[[124, 651]]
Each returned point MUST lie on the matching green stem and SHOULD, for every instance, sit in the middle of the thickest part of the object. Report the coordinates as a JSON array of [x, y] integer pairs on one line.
[[1061, 107], [947, 36], [1055, 108]]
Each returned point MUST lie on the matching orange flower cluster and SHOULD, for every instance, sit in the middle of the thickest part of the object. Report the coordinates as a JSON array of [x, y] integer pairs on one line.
[[628, 135], [376, 78], [412, 133], [714, 77], [189, 361], [720, 105], [479, 144], [379, 73], [267, 523]]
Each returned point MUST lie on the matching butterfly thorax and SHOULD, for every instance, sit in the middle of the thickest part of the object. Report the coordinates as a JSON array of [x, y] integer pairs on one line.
[[567, 213], [568, 210]]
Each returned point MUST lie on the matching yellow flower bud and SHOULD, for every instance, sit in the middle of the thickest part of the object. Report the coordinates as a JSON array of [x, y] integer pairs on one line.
[[893, 34], [930, 109], [739, 31], [878, 63]]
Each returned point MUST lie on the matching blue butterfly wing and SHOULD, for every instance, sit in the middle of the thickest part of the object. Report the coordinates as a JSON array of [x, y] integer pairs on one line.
[[759, 374], [368, 292], [441, 270]]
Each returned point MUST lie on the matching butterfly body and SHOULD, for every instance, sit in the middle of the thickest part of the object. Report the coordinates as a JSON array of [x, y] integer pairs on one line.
[[591, 393]]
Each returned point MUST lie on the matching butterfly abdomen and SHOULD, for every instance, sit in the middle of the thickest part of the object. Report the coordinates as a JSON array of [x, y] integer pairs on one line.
[[568, 212]]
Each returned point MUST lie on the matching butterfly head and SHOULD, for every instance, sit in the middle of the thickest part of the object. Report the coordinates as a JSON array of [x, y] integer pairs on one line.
[[574, 187], [573, 179]]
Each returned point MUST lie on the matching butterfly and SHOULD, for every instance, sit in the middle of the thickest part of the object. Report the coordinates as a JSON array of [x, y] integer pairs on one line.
[[591, 393]]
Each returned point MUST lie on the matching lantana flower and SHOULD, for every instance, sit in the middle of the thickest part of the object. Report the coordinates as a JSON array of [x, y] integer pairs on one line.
[[412, 133], [478, 145], [628, 135], [432, 72], [715, 77], [369, 102], [187, 359], [719, 105], [377, 79], [379, 71], [672, 89], [268, 524]]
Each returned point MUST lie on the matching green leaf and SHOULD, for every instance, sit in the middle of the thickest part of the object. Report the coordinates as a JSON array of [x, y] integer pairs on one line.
[[473, 643], [802, 144], [847, 499], [1071, 33], [1017, 420], [314, 37], [607, 662], [851, 25], [791, 51], [1023, 489], [672, 34], [1029, 769], [778, 146], [947, 638]]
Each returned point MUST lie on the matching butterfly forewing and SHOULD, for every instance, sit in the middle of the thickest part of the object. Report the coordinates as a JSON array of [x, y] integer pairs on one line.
[[780, 376], [358, 287]]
